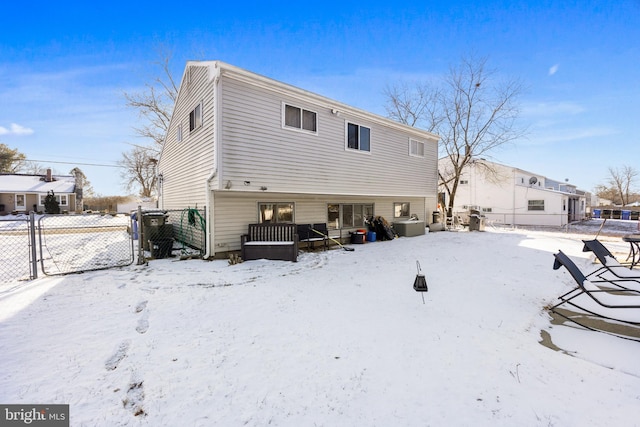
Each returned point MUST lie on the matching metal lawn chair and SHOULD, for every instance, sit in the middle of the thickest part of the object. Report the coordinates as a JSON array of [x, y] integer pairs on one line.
[[617, 305], [618, 271]]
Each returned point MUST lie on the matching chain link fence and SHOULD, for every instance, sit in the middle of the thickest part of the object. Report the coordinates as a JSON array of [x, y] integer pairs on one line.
[[168, 233], [78, 243], [64, 244], [16, 244]]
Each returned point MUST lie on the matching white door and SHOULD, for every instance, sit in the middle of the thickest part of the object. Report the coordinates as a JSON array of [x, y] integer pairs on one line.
[[21, 202]]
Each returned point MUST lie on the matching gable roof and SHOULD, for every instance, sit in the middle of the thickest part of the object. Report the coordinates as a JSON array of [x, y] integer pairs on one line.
[[18, 183], [217, 68]]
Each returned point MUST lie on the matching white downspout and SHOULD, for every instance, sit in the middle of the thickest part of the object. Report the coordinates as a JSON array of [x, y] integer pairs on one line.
[[215, 78]]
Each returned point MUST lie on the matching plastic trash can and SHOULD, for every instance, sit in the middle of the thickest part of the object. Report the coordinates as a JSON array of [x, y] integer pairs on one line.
[[161, 248]]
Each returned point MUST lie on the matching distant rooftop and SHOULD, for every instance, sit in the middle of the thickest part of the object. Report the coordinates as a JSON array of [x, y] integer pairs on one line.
[[19, 183]]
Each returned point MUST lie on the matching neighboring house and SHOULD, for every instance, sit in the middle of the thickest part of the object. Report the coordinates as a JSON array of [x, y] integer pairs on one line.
[[509, 195], [23, 193], [250, 149]]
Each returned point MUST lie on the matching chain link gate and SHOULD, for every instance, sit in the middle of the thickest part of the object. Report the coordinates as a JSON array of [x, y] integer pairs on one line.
[[78, 243], [17, 250]]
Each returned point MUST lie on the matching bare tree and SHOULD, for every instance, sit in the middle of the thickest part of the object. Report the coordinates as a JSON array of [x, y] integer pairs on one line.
[[473, 112], [139, 170], [413, 105], [154, 106], [621, 180]]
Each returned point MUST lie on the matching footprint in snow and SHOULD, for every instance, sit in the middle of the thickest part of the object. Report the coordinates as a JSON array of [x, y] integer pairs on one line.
[[141, 306], [134, 400], [120, 353], [143, 324]]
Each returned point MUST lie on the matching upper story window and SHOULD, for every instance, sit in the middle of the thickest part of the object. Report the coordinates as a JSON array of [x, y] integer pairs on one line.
[[179, 133], [298, 118], [195, 118], [416, 148], [464, 181], [358, 137]]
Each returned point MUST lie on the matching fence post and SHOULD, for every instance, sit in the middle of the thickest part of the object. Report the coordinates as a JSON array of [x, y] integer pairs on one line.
[[140, 237], [34, 252]]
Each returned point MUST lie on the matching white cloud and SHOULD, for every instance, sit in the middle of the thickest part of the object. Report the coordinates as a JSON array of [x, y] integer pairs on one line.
[[554, 69], [15, 129]]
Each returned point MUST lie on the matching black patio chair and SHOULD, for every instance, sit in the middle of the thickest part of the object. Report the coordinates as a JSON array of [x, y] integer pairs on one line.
[[610, 265], [619, 305]]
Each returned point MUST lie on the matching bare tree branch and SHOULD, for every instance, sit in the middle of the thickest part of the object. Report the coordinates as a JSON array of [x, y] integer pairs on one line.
[[154, 106], [473, 113]]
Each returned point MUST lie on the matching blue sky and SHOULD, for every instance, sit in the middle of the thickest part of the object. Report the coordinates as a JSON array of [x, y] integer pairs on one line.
[[65, 65]]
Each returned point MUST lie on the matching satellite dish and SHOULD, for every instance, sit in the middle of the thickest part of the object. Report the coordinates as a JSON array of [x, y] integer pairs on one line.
[[533, 180]]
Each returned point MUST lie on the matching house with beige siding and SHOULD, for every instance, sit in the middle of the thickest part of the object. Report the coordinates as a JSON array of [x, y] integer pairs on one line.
[[250, 149], [22, 193]]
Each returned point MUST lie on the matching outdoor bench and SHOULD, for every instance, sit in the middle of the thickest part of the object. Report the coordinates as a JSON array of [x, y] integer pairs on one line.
[[270, 241]]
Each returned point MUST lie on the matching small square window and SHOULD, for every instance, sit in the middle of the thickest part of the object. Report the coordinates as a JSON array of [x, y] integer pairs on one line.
[[416, 148], [401, 210]]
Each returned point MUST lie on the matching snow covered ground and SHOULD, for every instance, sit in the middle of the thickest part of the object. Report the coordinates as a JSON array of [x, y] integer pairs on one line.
[[336, 339]]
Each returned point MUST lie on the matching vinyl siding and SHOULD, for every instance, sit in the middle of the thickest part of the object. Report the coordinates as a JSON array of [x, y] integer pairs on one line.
[[186, 165], [260, 161], [234, 211], [256, 149]]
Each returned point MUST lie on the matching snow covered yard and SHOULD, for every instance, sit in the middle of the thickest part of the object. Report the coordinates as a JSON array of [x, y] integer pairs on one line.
[[337, 339]]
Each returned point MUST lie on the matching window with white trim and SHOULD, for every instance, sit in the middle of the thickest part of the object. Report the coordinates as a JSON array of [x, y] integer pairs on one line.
[[535, 205], [416, 148], [401, 210], [195, 118], [358, 137], [275, 212], [299, 118], [179, 133], [348, 215], [62, 199]]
